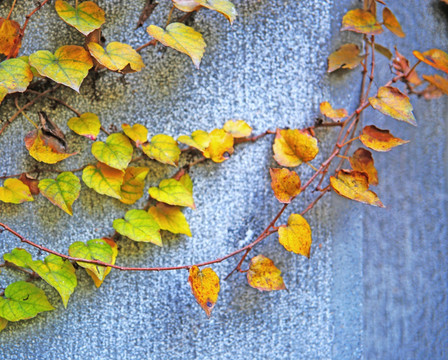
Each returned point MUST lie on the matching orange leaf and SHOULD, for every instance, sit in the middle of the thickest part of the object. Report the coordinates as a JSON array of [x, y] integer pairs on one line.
[[354, 185], [362, 160], [391, 22], [292, 147], [434, 57], [438, 81], [335, 114], [378, 139], [346, 57], [296, 237], [264, 275], [205, 287], [391, 101], [361, 21], [285, 183], [401, 65], [31, 182], [9, 35], [220, 147]]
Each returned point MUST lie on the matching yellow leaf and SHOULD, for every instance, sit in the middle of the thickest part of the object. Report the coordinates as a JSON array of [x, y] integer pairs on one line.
[[133, 184], [182, 38], [69, 65], [434, 57], [45, 148], [378, 139], [391, 22], [87, 17], [114, 248], [103, 179], [383, 50], [15, 76], [170, 218], [162, 148], [361, 21], [292, 147], [173, 192], [346, 57], [362, 161], [391, 101], [220, 147], [138, 225], [224, 7], [116, 152], [237, 128], [88, 125], [185, 180], [335, 114], [199, 139], [205, 287], [61, 192], [438, 81], [354, 185], [285, 183], [137, 133], [9, 38], [264, 275], [117, 56], [296, 237], [3, 323], [15, 191]]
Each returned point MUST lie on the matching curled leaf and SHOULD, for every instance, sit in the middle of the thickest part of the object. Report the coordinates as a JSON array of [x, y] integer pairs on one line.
[[63, 191], [346, 57], [133, 184], [85, 18], [335, 114], [137, 133], [116, 152], [117, 57], [354, 185], [9, 38], [199, 139], [170, 218], [264, 275], [237, 128], [162, 148], [224, 7], [15, 191], [296, 237], [138, 225], [285, 183], [391, 22], [103, 179], [438, 81], [434, 57], [361, 21], [362, 161], [293, 147], [173, 192], [88, 125], [31, 182], [220, 147], [205, 287], [401, 66], [378, 139]]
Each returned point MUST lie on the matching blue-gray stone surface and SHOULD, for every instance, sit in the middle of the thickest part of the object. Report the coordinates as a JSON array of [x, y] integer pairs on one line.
[[376, 284]]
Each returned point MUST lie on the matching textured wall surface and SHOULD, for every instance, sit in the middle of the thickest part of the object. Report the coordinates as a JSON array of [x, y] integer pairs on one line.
[[269, 69]]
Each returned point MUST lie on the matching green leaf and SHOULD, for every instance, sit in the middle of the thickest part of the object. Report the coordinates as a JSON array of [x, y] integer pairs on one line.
[[87, 17], [88, 125], [19, 257], [63, 191], [173, 192], [117, 56], [23, 300], [15, 191], [115, 152], [103, 179], [15, 76], [114, 247], [170, 218], [96, 249], [162, 148], [138, 225], [69, 65], [133, 184]]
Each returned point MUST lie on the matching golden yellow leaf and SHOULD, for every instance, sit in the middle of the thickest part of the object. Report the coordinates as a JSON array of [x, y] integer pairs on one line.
[[237, 128], [137, 133], [362, 160], [392, 102], [44, 148], [434, 57], [116, 152], [117, 56], [296, 237], [224, 7], [378, 139], [354, 185], [361, 21], [199, 139], [15, 191], [92, 274], [346, 57], [162, 148], [182, 38], [285, 183], [335, 114], [9, 38], [438, 81], [133, 184], [88, 125], [86, 17], [264, 275], [170, 218], [205, 287], [220, 147], [391, 22], [15, 76], [69, 65], [292, 147], [173, 192], [3, 323], [103, 179]]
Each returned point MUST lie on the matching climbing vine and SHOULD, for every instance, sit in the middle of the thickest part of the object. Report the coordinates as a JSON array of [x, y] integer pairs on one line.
[[348, 173]]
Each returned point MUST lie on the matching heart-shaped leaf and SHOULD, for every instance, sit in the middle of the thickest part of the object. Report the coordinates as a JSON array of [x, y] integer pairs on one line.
[[88, 125], [19, 257], [292, 147], [182, 38], [391, 101], [199, 139], [69, 65], [264, 275], [114, 248], [170, 218], [137, 133], [296, 237], [138, 225], [15, 191], [346, 57], [117, 56], [116, 152], [63, 191], [85, 18], [15, 76], [220, 147], [162, 148], [133, 184], [172, 192], [285, 183], [205, 287], [103, 179], [361, 21], [378, 139], [237, 128]]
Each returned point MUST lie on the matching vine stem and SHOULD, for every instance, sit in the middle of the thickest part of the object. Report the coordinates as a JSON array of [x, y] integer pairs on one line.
[[12, 8]]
